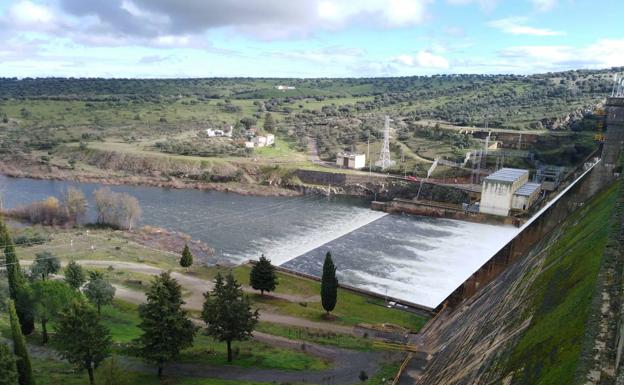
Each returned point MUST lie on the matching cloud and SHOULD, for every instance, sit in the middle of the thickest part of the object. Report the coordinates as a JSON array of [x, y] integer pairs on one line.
[[152, 59], [544, 5], [422, 59], [25, 15], [264, 19], [516, 26], [486, 5], [603, 53], [325, 55]]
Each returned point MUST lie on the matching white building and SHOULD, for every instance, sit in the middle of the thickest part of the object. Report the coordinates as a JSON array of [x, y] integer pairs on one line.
[[525, 196], [506, 189], [213, 133], [351, 160], [284, 88], [261, 141]]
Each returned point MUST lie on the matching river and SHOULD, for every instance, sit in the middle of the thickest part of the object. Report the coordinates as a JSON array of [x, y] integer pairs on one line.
[[417, 259]]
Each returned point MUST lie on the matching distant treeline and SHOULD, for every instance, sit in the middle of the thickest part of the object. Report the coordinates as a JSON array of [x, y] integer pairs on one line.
[[257, 88]]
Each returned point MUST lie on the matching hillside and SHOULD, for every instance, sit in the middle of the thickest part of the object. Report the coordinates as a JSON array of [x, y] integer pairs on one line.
[[57, 124]]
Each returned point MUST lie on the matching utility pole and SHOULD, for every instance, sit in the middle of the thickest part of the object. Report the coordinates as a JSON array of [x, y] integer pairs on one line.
[[368, 156]]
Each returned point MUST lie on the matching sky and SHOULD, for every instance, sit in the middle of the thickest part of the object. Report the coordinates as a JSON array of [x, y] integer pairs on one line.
[[306, 38]]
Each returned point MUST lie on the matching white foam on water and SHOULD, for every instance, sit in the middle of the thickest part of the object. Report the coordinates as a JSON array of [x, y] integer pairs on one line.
[[312, 236], [429, 277]]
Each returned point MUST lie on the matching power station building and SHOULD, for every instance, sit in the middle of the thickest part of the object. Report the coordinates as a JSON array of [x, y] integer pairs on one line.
[[507, 189], [350, 160]]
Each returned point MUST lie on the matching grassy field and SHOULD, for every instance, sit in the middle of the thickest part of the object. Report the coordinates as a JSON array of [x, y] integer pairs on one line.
[[108, 245], [351, 308], [98, 244], [316, 336], [549, 351]]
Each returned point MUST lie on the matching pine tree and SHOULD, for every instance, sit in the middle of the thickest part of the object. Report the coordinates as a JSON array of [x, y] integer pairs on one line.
[[74, 275], [187, 258], [16, 280], [262, 276], [227, 312], [8, 368], [166, 326], [81, 338], [329, 284], [24, 368]]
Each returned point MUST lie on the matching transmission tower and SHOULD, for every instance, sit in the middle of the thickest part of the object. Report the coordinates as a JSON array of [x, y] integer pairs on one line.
[[384, 156]]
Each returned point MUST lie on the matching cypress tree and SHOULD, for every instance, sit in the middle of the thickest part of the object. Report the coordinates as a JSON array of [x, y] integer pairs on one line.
[[24, 368], [329, 284], [262, 276], [14, 273], [8, 369], [187, 258], [16, 280]]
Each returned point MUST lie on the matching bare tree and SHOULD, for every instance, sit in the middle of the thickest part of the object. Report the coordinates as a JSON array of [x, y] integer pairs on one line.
[[119, 210], [75, 203]]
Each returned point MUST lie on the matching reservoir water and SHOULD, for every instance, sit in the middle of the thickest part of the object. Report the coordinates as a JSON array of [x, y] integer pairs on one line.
[[417, 259]]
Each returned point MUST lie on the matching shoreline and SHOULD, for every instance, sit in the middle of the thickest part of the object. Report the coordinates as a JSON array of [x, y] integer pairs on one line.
[[134, 180]]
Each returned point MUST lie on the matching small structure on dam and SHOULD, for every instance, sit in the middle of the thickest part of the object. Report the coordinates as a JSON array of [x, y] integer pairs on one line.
[[507, 189]]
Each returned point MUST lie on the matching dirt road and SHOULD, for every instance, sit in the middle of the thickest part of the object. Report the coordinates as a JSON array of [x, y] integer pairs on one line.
[[197, 287]]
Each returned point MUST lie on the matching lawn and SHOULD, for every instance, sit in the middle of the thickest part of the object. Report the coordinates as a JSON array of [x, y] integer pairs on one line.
[[249, 354], [351, 308], [96, 244], [321, 337]]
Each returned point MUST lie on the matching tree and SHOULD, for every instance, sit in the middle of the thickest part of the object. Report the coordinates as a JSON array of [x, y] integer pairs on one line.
[[49, 298], [81, 338], [269, 122], [187, 258], [14, 272], [8, 368], [45, 264], [248, 122], [75, 204], [74, 275], [227, 313], [262, 276], [99, 291], [119, 210], [329, 284], [24, 368], [16, 279], [166, 326]]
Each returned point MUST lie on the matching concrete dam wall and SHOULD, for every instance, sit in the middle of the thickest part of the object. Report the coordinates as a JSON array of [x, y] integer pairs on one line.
[[586, 184]]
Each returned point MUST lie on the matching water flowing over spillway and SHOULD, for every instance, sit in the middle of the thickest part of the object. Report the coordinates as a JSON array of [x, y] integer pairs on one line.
[[416, 259]]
